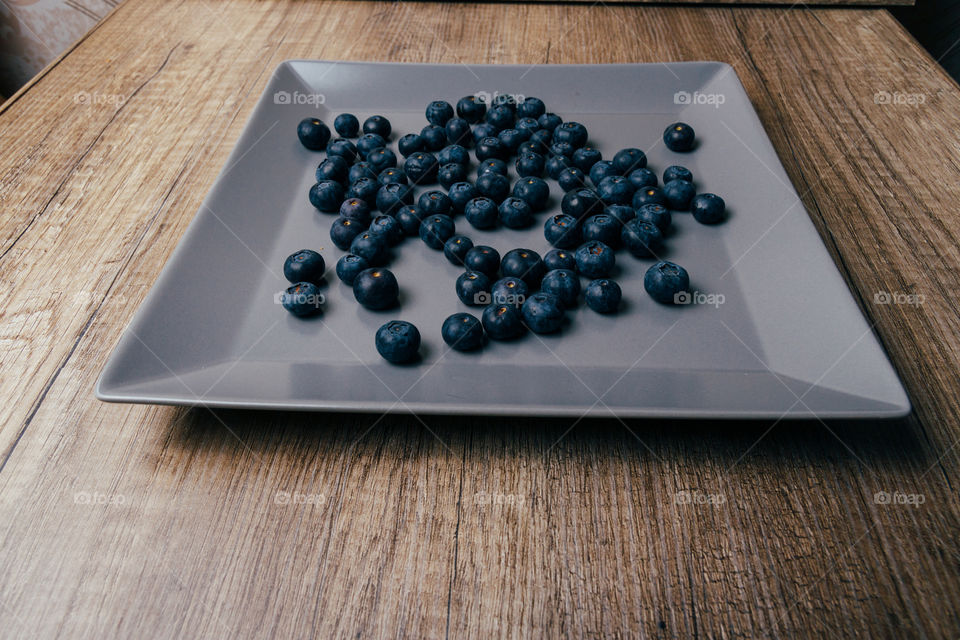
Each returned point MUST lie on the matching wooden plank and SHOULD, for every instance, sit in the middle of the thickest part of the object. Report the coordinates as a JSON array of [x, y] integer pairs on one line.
[[129, 520]]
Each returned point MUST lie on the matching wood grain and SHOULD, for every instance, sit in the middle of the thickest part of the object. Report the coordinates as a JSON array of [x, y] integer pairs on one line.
[[130, 521]]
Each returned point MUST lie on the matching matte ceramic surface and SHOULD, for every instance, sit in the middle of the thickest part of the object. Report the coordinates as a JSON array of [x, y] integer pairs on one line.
[[773, 331]]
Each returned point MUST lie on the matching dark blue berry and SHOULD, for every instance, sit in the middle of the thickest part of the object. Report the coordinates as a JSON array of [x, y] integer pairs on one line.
[[368, 142], [326, 196], [678, 194], [462, 331], [708, 208], [370, 247], [458, 131], [665, 280], [501, 117], [366, 189], [531, 164], [571, 179], [534, 191], [377, 125], [564, 149], [347, 125], [510, 291], [471, 109], [391, 176], [435, 230], [656, 214], [581, 203], [622, 213], [531, 108], [391, 197], [495, 165], [398, 342], [564, 284], [305, 265], [333, 168], [455, 249], [483, 259], [382, 158], [559, 259], [602, 227], [362, 169], [615, 190], [511, 139], [387, 228], [481, 212], [434, 137], [676, 172], [454, 153], [313, 134], [473, 288], [421, 167], [357, 210], [460, 194], [601, 170], [562, 231], [302, 299], [641, 178], [451, 173], [349, 266], [529, 124], [376, 288], [490, 147], [343, 231], [483, 130], [642, 239], [343, 148], [494, 186], [543, 313], [549, 121], [434, 203], [556, 165], [603, 295], [649, 195], [595, 259], [515, 213], [409, 218], [502, 321], [585, 157], [679, 136], [627, 160], [410, 144], [541, 139], [573, 133], [439, 112], [525, 264]]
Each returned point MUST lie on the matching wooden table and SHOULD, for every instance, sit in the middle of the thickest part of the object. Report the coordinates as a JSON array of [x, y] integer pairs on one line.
[[141, 521]]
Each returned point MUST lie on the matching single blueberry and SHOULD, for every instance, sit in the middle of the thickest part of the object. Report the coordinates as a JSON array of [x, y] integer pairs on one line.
[[534, 191], [434, 137], [410, 144], [563, 283], [435, 230], [515, 213], [541, 139], [571, 178], [391, 197], [391, 176], [451, 173], [494, 186], [573, 133], [581, 203], [509, 290], [455, 249], [622, 213], [665, 280], [531, 165], [460, 194], [627, 160], [530, 124], [556, 165], [305, 265], [409, 218], [482, 213], [462, 331], [679, 136], [511, 139], [549, 121], [362, 169], [502, 321], [434, 203], [349, 266], [601, 170], [543, 313], [531, 108], [333, 168], [342, 148], [501, 117], [641, 178], [649, 195], [483, 259], [313, 134], [471, 109], [380, 159], [357, 210], [678, 194], [377, 125], [366, 189], [458, 131], [602, 227], [483, 130], [326, 196], [343, 231], [530, 146], [595, 259], [656, 214], [438, 112], [387, 228], [603, 295], [368, 142], [507, 100], [525, 264], [454, 153], [564, 149], [562, 231], [642, 239], [421, 167], [473, 288], [490, 147], [495, 165], [302, 299], [398, 341], [559, 259], [370, 247], [676, 172], [376, 288], [347, 125], [585, 157], [615, 190], [708, 208]]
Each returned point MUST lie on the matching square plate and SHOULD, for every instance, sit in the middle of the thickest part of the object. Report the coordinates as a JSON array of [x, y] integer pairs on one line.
[[774, 332]]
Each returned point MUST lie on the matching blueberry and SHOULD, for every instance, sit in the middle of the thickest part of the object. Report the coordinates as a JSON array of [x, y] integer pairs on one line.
[[483, 130], [347, 125], [462, 331], [642, 239], [302, 299], [368, 142], [460, 194], [531, 164], [601, 170], [343, 231], [531, 108], [380, 159], [564, 284], [676, 172], [305, 265], [707, 208], [621, 213], [534, 191], [564, 149], [391, 176], [483, 259], [376, 288], [421, 167], [482, 213], [366, 189], [511, 139], [562, 231], [458, 131], [615, 190], [559, 259], [595, 259], [451, 173], [679, 137], [333, 168], [649, 195], [471, 109], [313, 134], [507, 100], [501, 117], [454, 153], [492, 164], [678, 194], [528, 124], [409, 218], [603, 295], [391, 197], [571, 178], [387, 228], [656, 214], [434, 137], [357, 210], [602, 227], [435, 230], [438, 112], [362, 169], [326, 196], [573, 133], [434, 203], [541, 139], [542, 313], [581, 203], [530, 147], [349, 266], [410, 144], [524, 264], [494, 186], [515, 213], [549, 121], [664, 280], [398, 341], [473, 288], [641, 178], [377, 125], [585, 157], [370, 247], [630, 159], [343, 148], [556, 165], [511, 291], [502, 321], [455, 249], [490, 147]]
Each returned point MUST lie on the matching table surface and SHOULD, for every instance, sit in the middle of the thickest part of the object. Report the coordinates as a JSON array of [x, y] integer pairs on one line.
[[133, 521]]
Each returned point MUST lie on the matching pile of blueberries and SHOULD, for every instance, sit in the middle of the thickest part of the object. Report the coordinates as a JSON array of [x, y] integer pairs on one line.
[[361, 181]]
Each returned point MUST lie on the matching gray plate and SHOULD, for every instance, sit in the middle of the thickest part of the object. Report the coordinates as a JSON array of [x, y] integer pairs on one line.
[[787, 341]]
